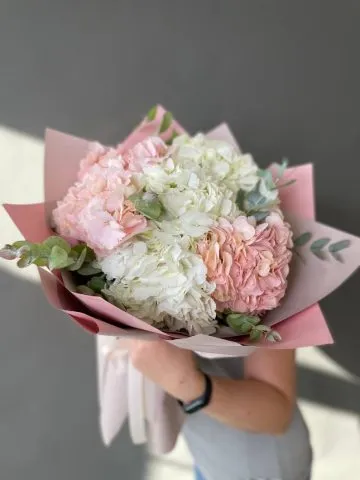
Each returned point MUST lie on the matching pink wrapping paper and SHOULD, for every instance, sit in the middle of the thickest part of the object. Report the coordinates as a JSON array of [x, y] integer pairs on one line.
[[299, 319]]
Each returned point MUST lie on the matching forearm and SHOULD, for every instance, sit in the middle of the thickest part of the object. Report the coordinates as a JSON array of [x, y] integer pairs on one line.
[[261, 403], [250, 405]]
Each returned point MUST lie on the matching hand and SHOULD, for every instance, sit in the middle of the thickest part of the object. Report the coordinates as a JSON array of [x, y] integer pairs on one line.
[[172, 368]]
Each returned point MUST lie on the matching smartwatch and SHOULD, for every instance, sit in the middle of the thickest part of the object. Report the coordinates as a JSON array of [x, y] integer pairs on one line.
[[200, 402]]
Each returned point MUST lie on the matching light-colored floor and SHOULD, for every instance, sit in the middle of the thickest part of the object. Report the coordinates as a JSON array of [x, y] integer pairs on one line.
[[335, 433]]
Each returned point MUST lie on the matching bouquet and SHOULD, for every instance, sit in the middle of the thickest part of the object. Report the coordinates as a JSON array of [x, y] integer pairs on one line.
[[182, 237]]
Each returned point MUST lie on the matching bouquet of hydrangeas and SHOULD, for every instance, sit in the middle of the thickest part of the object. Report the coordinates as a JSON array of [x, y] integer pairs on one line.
[[184, 237]]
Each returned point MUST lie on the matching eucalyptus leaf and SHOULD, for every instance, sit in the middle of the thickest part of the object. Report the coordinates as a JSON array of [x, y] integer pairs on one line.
[[255, 200], [34, 250], [242, 323], [58, 258], [166, 122], [24, 261], [55, 241], [303, 239], [255, 335], [97, 284], [266, 175], [88, 270], [85, 290], [8, 253], [79, 261], [172, 138], [319, 244], [77, 250], [260, 216], [240, 199], [338, 246], [151, 115], [262, 328], [20, 244], [239, 317], [44, 250], [41, 261], [286, 184], [282, 167], [151, 209], [273, 336]]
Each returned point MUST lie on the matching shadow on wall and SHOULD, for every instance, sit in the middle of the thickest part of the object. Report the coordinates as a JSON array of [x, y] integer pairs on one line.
[[48, 402]]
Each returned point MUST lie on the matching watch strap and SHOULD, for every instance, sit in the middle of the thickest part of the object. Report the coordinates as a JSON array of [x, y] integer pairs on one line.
[[200, 402]]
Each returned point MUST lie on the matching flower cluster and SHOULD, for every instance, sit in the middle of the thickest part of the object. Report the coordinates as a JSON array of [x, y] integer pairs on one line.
[[183, 233], [96, 210]]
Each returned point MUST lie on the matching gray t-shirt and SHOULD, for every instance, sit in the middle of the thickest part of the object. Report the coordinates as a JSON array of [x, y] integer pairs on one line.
[[225, 453]]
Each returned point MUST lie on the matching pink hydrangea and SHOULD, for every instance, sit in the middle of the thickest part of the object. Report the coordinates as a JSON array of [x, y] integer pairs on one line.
[[95, 209], [249, 264]]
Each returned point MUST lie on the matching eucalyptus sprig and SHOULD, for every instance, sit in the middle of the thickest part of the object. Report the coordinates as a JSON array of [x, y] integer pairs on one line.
[[55, 253], [250, 325], [254, 203]]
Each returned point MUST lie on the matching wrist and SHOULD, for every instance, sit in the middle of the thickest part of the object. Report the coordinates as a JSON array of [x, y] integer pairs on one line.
[[192, 387]]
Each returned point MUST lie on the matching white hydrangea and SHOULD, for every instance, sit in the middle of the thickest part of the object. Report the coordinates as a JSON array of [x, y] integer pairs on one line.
[[162, 283], [216, 161], [192, 198], [206, 198]]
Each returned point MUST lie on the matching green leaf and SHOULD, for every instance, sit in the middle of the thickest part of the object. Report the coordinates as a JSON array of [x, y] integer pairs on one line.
[[267, 177], [22, 246], [242, 323], [319, 244], [43, 254], [262, 328], [24, 261], [172, 138], [151, 115], [151, 209], [273, 336], [97, 284], [282, 167], [264, 174], [255, 335], [255, 200], [58, 258], [240, 199], [166, 122], [78, 262], [57, 242], [88, 270], [20, 243], [85, 290], [28, 254], [260, 216], [77, 250], [286, 184], [303, 239], [33, 252], [8, 253], [338, 246], [41, 261]]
